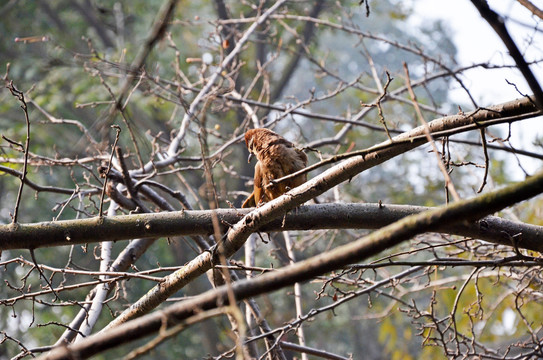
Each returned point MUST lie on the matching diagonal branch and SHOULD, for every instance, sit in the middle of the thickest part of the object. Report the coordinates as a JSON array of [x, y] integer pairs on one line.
[[530, 6], [508, 112]]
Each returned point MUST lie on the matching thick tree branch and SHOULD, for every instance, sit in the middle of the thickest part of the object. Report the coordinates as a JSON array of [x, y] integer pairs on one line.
[[311, 217]]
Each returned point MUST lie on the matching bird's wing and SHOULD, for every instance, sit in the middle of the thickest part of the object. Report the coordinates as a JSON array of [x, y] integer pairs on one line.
[[260, 182]]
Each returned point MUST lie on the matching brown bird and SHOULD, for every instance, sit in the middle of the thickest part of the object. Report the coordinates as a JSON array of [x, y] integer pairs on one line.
[[277, 157]]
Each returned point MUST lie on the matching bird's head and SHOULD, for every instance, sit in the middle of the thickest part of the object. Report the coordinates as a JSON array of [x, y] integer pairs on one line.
[[250, 143], [258, 139]]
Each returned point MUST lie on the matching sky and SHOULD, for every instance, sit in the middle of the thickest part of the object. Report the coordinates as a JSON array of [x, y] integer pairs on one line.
[[477, 42]]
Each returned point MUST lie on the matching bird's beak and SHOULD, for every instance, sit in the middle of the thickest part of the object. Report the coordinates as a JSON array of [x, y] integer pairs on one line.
[[249, 157]]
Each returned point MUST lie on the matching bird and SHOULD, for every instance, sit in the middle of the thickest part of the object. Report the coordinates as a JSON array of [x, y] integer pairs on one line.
[[277, 157]]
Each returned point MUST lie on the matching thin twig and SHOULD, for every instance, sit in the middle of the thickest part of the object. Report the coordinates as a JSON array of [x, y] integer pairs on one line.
[[20, 96], [487, 160], [378, 103], [448, 182], [118, 132]]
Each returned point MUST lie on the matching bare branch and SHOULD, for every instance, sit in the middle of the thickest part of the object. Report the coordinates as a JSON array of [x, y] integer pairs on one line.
[[198, 222]]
